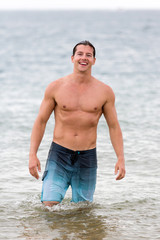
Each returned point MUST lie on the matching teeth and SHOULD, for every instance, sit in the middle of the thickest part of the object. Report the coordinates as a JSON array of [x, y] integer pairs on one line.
[[84, 63]]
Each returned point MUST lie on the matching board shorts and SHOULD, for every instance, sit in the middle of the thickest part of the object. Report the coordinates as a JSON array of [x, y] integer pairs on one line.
[[64, 168]]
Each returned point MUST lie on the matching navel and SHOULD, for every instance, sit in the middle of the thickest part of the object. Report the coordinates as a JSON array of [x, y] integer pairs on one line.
[[64, 106]]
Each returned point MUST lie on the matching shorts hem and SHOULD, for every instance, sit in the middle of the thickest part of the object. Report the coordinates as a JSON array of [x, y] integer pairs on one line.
[[51, 200]]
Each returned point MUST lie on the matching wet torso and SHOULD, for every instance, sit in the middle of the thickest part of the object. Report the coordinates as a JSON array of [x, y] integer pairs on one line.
[[78, 107]]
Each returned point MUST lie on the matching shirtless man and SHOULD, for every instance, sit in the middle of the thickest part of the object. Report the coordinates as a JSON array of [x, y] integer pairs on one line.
[[78, 101]]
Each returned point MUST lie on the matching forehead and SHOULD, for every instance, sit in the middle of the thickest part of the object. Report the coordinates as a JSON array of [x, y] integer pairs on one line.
[[84, 48]]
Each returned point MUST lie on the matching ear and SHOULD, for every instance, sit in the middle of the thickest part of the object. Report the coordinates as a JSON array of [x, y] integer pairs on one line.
[[94, 61], [72, 57]]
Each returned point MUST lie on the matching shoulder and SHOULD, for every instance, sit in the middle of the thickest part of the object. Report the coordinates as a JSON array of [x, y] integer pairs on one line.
[[105, 90], [54, 86]]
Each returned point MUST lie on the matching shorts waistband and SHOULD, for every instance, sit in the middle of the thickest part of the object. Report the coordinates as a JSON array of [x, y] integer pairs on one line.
[[70, 151]]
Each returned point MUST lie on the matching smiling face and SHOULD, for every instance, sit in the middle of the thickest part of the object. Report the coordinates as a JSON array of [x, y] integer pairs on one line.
[[83, 58]]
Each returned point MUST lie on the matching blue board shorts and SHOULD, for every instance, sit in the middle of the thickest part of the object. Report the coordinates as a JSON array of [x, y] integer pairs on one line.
[[64, 168]]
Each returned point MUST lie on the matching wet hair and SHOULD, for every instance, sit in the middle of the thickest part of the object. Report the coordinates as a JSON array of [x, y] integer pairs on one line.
[[86, 43]]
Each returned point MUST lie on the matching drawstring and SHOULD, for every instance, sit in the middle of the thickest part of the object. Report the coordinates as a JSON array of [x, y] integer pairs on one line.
[[74, 157]]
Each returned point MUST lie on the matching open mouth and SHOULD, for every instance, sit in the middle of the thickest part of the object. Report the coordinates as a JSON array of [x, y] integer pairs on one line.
[[83, 63]]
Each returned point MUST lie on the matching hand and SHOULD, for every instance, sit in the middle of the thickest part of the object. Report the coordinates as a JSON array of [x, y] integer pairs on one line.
[[34, 164], [120, 169]]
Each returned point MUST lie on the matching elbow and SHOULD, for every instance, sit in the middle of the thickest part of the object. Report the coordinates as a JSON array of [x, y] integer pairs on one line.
[[115, 128], [41, 121]]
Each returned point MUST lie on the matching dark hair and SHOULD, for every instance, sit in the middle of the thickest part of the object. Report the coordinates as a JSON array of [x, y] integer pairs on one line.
[[86, 43]]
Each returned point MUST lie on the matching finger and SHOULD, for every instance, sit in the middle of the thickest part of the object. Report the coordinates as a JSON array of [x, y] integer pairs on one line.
[[120, 175], [39, 166], [34, 173], [116, 170]]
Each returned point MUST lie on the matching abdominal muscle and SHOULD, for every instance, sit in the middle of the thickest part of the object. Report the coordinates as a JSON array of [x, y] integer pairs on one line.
[[76, 130], [75, 140]]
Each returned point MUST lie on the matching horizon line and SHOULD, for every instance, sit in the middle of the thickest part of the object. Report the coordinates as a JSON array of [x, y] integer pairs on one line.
[[80, 9]]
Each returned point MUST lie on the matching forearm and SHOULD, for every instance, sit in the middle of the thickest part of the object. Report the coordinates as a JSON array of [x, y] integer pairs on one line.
[[37, 135], [117, 141]]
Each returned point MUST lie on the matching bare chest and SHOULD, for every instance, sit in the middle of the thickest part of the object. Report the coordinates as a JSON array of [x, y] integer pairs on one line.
[[86, 100]]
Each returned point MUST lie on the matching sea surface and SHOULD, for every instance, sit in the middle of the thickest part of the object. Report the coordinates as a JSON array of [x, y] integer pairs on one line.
[[35, 49]]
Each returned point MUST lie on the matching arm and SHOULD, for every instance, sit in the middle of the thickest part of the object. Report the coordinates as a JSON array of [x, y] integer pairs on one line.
[[46, 108], [110, 115]]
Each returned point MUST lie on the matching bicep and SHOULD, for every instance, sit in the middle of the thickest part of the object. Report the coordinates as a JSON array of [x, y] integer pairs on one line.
[[109, 111], [47, 106]]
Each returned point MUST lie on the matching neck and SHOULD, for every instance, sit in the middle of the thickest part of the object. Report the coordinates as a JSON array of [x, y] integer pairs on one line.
[[82, 77]]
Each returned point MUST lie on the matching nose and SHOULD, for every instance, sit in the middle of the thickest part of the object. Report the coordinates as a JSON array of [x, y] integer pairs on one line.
[[84, 57]]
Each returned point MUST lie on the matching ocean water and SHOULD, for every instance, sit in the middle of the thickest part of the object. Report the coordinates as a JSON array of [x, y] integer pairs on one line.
[[35, 49]]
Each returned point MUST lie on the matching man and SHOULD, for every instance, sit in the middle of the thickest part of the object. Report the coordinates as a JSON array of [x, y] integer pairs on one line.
[[78, 101]]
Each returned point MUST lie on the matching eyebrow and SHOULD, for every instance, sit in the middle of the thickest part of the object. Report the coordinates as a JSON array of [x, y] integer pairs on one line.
[[86, 53]]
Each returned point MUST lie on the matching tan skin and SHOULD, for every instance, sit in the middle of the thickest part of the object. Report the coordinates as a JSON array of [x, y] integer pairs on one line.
[[78, 101]]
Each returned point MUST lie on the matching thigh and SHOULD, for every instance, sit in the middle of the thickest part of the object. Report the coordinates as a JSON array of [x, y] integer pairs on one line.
[[55, 183], [83, 184]]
